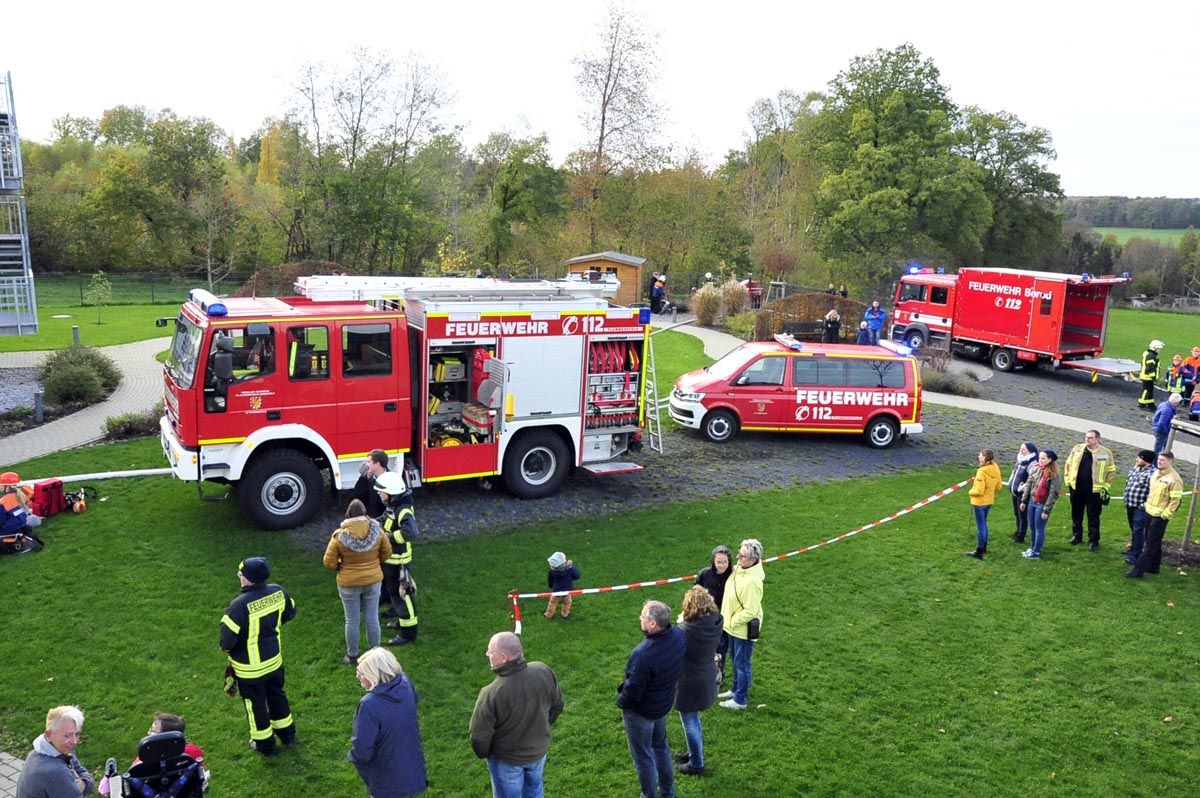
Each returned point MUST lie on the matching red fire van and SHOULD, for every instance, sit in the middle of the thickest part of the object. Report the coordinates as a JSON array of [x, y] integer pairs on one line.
[[788, 386]]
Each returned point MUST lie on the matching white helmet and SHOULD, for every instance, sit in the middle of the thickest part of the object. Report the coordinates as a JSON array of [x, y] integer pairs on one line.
[[1156, 345], [390, 482]]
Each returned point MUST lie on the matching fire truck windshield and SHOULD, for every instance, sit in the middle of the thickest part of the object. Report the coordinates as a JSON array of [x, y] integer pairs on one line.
[[185, 349]]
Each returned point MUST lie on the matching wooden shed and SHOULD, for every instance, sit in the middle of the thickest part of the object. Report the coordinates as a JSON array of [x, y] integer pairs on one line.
[[630, 270]]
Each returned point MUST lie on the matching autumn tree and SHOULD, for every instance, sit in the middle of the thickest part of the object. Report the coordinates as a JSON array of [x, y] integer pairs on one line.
[[1023, 193], [894, 186]]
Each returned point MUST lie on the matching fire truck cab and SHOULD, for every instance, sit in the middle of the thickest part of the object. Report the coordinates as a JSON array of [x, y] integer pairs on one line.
[[467, 377]]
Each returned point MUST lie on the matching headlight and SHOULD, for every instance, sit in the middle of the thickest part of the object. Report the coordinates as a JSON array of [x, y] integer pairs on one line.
[[687, 397]]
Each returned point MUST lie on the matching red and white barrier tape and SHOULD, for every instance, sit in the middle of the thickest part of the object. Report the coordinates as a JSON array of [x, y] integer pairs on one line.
[[516, 597]]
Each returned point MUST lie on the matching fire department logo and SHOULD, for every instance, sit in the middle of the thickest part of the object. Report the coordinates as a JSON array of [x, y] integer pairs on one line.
[[570, 325], [255, 402]]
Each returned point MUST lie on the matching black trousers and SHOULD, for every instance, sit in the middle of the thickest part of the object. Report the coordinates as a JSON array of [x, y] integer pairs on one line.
[[267, 709], [1151, 557], [1022, 518], [1147, 398], [1085, 503]]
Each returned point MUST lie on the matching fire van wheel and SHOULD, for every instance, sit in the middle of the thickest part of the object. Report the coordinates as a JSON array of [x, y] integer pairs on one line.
[[535, 465], [1003, 360], [881, 433], [720, 426], [281, 490]]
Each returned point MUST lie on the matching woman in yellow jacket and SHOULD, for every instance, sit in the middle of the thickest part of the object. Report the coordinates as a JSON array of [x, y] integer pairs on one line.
[[355, 551], [983, 496]]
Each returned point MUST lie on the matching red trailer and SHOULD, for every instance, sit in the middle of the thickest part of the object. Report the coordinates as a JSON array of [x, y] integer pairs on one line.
[[1007, 315]]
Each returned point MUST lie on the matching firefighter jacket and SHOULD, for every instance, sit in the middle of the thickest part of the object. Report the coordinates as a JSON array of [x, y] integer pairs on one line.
[[1104, 467], [1174, 379], [1149, 365], [1166, 493], [250, 629], [400, 525]]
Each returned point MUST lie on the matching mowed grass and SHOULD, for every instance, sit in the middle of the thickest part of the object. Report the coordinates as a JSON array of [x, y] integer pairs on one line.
[[1167, 238], [1130, 330], [890, 664], [106, 326]]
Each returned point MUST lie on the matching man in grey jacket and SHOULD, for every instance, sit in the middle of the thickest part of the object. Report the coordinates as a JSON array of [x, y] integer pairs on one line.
[[52, 770], [510, 726]]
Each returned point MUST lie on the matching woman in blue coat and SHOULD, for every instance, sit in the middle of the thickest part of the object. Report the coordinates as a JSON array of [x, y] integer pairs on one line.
[[385, 745]]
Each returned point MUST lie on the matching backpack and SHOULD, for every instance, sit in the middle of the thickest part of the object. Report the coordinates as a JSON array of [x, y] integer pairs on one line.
[[77, 499], [48, 498], [20, 543]]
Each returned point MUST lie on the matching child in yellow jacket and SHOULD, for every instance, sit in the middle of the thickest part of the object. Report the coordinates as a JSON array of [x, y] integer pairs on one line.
[[983, 496]]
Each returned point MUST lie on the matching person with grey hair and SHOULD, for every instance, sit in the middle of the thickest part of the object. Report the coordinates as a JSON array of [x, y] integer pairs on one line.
[[52, 770], [510, 726], [385, 744], [646, 696], [742, 610]]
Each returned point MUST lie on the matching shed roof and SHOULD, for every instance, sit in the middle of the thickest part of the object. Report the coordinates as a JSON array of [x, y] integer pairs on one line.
[[619, 257]]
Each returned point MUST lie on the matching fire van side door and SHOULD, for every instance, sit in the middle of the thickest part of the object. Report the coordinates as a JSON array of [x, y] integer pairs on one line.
[[759, 395]]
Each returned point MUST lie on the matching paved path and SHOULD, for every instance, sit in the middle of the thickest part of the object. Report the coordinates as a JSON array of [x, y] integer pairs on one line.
[[10, 769], [140, 388]]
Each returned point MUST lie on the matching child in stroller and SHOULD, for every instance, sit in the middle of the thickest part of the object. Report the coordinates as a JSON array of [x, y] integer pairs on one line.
[[167, 765]]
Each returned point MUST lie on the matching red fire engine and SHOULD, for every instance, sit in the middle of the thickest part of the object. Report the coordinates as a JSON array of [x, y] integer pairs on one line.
[[1007, 315], [467, 377]]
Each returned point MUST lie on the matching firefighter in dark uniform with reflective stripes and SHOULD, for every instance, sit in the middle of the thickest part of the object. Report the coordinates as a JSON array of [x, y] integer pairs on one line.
[[1149, 374], [250, 633], [399, 523]]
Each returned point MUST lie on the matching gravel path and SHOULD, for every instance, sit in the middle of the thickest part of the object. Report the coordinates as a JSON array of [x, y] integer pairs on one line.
[[693, 469], [17, 387]]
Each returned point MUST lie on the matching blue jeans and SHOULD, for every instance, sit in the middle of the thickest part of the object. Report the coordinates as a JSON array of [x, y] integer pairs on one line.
[[516, 781], [1137, 526], [692, 733], [981, 514], [1160, 441], [359, 603], [741, 650], [874, 335], [1037, 526], [651, 756]]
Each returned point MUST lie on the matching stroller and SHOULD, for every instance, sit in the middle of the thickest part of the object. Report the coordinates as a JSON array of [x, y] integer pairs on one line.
[[164, 770]]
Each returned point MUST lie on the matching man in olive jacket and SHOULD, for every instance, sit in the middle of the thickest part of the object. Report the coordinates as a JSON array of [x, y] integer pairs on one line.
[[510, 726]]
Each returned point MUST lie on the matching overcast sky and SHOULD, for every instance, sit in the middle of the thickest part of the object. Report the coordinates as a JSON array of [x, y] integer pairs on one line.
[[1115, 84]]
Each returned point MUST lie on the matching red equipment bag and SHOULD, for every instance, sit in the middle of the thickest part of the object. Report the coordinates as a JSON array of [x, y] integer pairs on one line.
[[48, 498]]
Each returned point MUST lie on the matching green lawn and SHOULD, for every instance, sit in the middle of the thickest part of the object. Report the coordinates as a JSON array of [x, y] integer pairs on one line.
[[1130, 330], [890, 664], [1167, 238], [104, 327]]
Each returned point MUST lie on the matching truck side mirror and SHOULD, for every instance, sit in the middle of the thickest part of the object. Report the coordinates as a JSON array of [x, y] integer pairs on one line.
[[223, 366]]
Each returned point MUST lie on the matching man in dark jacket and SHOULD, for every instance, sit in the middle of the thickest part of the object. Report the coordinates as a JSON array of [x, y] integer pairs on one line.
[[250, 633], [364, 488], [510, 726], [646, 696]]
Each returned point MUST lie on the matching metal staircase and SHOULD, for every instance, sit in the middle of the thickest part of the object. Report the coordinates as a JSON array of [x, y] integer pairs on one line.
[[18, 303]]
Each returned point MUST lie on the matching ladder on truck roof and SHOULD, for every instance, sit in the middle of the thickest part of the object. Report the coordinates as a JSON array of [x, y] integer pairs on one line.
[[472, 289]]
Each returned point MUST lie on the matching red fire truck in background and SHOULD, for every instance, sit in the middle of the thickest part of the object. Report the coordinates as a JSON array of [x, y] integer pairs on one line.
[[1006, 316], [467, 377]]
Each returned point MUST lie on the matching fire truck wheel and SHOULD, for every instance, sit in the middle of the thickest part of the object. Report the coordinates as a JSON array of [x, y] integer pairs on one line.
[[720, 426], [881, 432], [914, 339], [1003, 360], [281, 489], [535, 465]]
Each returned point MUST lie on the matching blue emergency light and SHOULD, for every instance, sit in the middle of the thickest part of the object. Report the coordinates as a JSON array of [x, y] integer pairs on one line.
[[208, 302], [643, 315]]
